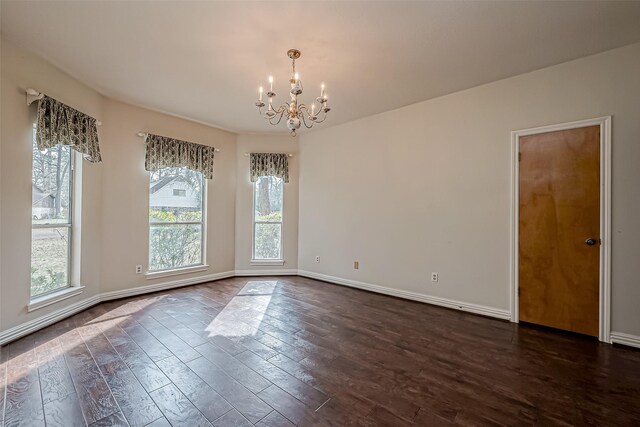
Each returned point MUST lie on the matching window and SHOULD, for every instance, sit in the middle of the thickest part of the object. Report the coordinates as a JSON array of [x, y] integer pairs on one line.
[[51, 218], [176, 219], [267, 218]]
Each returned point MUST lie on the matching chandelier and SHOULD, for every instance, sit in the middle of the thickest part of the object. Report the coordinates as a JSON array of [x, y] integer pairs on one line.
[[296, 113]]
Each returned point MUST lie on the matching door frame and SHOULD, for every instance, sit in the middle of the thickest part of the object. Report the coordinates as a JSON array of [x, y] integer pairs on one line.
[[604, 331]]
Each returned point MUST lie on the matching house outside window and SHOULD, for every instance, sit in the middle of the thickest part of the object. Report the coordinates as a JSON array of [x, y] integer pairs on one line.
[[176, 219]]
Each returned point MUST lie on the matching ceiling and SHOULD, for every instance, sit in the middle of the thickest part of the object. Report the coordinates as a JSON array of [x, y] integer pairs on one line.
[[205, 60]]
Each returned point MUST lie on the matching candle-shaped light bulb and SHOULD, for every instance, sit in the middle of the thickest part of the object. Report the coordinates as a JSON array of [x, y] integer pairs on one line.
[[313, 109], [322, 90], [260, 93], [296, 76], [271, 83]]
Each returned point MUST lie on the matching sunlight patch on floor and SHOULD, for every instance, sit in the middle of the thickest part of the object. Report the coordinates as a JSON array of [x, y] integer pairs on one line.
[[243, 315]]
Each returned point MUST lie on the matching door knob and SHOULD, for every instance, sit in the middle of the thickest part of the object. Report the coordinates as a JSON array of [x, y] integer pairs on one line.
[[591, 241]]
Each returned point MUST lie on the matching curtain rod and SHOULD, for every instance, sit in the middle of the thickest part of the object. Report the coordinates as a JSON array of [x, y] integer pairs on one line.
[[144, 135], [288, 154], [33, 96]]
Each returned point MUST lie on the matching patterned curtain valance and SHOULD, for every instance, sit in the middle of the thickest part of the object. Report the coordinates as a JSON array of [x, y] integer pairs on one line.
[[60, 124], [269, 164], [164, 152]]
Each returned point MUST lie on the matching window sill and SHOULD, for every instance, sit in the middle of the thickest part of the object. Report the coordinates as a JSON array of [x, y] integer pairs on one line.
[[176, 271], [265, 262], [45, 300]]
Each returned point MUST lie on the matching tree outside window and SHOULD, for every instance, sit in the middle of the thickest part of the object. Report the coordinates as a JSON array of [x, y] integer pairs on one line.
[[267, 219]]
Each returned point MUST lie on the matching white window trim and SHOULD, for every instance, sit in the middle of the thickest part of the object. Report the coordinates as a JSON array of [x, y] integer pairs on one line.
[[53, 297], [203, 244], [176, 271], [254, 261], [265, 262]]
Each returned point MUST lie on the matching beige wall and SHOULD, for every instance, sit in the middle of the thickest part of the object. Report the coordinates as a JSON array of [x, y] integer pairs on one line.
[[20, 70], [427, 187], [125, 194], [114, 220], [419, 189], [244, 200]]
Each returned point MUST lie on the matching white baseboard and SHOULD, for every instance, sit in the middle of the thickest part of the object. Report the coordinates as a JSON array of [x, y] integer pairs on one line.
[[164, 286], [443, 302], [46, 320], [53, 317], [625, 339], [279, 272]]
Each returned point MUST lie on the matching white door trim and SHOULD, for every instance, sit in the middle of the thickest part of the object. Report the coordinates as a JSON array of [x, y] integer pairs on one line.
[[605, 215]]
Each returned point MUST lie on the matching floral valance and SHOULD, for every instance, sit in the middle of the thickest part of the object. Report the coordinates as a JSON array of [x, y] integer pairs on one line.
[[269, 164], [164, 152], [60, 124]]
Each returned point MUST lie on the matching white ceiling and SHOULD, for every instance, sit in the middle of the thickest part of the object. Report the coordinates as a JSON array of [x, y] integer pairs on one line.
[[205, 60]]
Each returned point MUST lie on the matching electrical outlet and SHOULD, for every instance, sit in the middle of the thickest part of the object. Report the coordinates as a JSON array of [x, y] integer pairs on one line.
[[317, 258], [434, 277], [138, 269], [356, 265]]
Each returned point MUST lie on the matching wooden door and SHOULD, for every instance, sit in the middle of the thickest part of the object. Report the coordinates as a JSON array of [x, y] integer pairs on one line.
[[559, 229]]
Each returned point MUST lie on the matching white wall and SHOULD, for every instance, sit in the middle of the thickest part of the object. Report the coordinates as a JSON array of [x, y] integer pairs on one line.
[[419, 189], [125, 194], [21, 69], [115, 193], [244, 200], [427, 187]]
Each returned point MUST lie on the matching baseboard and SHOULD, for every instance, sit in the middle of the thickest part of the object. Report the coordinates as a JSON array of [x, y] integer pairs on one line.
[[125, 293], [279, 272], [625, 339], [53, 317], [443, 302], [46, 320]]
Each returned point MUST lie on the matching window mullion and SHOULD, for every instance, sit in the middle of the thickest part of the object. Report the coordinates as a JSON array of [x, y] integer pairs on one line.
[[61, 225], [176, 223]]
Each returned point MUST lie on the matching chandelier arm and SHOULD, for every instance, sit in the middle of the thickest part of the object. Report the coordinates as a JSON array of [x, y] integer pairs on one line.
[[279, 115], [276, 112], [305, 109], [324, 117], [263, 113], [304, 121]]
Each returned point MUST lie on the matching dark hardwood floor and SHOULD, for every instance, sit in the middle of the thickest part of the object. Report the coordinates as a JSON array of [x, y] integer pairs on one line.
[[288, 351]]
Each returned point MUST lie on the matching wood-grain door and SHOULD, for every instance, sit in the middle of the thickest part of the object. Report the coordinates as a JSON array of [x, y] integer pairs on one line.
[[559, 229]]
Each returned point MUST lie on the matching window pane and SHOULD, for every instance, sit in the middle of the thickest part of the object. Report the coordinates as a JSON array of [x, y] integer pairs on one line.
[[267, 241], [268, 199], [174, 246], [51, 185], [175, 194], [49, 259]]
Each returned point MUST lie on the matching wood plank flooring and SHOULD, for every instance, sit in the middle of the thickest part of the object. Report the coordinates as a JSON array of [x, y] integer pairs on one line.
[[285, 351]]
